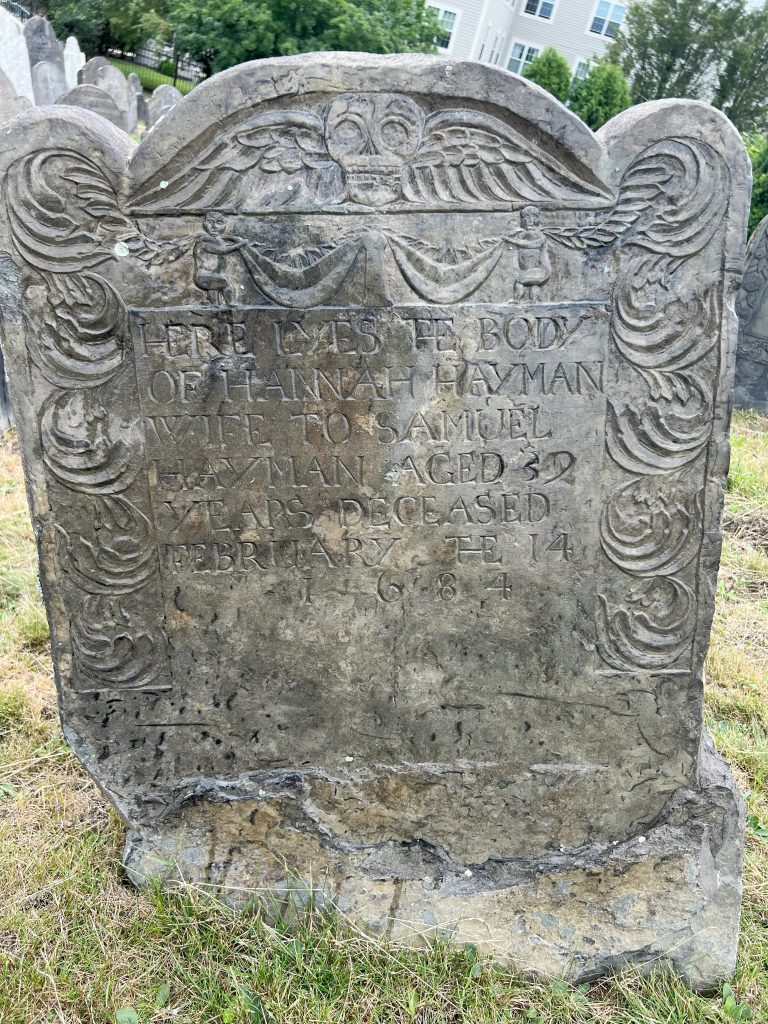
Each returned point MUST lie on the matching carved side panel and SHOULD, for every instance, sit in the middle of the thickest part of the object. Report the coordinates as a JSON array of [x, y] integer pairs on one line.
[[63, 214]]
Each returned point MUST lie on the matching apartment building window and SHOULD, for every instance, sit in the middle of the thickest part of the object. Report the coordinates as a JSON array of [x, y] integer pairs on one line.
[[607, 19], [520, 57], [539, 8], [447, 22], [581, 70]]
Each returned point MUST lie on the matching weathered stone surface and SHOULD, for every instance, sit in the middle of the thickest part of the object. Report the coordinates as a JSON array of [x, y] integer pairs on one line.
[[114, 82], [163, 99], [74, 60], [376, 436], [48, 82], [87, 73], [14, 58], [751, 391], [90, 97], [10, 103], [42, 44]]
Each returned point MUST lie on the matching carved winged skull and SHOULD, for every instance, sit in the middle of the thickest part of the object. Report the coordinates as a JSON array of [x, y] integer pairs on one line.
[[373, 151]]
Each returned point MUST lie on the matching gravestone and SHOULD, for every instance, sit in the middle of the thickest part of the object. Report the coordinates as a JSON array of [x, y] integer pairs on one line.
[[163, 99], [14, 58], [42, 43], [87, 73], [374, 414], [48, 82], [142, 110], [74, 60], [751, 391], [90, 97], [10, 103], [114, 82]]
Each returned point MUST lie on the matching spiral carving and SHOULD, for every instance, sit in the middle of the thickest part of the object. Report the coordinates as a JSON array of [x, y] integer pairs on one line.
[[78, 448], [111, 651], [653, 629]]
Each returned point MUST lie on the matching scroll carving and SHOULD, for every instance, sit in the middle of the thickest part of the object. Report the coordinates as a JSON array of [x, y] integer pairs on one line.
[[672, 199], [66, 223]]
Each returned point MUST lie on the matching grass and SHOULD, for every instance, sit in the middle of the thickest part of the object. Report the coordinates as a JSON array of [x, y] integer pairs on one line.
[[78, 945], [150, 78]]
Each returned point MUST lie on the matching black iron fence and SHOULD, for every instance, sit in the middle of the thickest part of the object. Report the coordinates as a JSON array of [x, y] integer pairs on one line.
[[20, 12], [159, 63]]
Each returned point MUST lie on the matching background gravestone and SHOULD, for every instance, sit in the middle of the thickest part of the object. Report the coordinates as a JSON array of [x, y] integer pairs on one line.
[[87, 73], [42, 43], [142, 110], [14, 58], [10, 103], [751, 390], [376, 439], [74, 60], [163, 99], [48, 82], [114, 82], [90, 97]]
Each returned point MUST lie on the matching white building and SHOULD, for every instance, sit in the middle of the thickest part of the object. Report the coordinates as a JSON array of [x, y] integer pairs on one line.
[[510, 33]]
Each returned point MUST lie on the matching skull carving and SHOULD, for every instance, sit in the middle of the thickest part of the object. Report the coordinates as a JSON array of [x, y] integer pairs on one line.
[[372, 136]]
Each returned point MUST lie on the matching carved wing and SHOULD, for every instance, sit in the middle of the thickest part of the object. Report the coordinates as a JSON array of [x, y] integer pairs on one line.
[[272, 160], [755, 280], [470, 157]]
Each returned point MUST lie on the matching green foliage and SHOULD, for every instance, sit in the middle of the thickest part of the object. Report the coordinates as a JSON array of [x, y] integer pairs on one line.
[[221, 33], [757, 147], [550, 70], [601, 95], [669, 47], [742, 89]]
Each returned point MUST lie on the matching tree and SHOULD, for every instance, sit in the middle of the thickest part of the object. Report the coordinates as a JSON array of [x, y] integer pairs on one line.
[[675, 47], [603, 94], [742, 88], [221, 33], [757, 147], [550, 70]]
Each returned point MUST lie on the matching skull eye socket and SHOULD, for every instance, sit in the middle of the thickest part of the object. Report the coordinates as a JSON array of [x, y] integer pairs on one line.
[[396, 135], [349, 136]]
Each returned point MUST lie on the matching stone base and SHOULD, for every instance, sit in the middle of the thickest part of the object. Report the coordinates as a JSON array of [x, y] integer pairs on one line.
[[671, 895]]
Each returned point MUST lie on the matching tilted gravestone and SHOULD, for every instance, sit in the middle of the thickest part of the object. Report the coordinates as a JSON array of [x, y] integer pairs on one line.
[[49, 83], [90, 97], [74, 60], [374, 414], [751, 391], [163, 99], [42, 43], [114, 82], [14, 58], [87, 73]]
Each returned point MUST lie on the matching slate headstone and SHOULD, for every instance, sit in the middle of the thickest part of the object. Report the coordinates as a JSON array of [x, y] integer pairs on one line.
[[10, 103], [114, 82], [751, 391], [48, 82], [14, 58], [90, 97], [74, 60], [163, 99], [374, 413], [87, 73], [142, 110], [42, 43]]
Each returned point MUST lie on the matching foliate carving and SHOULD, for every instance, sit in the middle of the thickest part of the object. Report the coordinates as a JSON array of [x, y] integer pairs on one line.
[[117, 557], [78, 447], [66, 222], [374, 150], [653, 627], [112, 648], [672, 199], [751, 295]]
